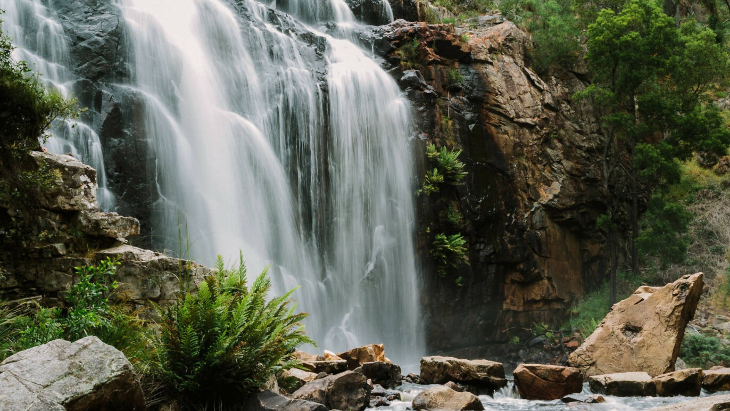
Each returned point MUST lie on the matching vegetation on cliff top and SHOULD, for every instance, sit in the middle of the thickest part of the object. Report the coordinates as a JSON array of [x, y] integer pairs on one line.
[[27, 109]]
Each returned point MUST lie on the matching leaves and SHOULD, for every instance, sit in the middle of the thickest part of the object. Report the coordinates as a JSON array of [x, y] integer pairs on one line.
[[225, 341]]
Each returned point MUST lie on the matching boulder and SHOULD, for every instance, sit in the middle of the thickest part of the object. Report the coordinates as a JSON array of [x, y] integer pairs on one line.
[[111, 225], [642, 332], [330, 356], [270, 401], [712, 403], [360, 355], [75, 185], [345, 391], [716, 379], [327, 367], [583, 399], [294, 378], [478, 373], [444, 398], [628, 384], [307, 357], [684, 382], [383, 373], [60, 375], [547, 382]]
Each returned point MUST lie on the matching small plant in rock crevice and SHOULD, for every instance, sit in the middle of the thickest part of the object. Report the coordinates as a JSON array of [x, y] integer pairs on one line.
[[447, 169], [408, 54], [448, 251], [455, 77]]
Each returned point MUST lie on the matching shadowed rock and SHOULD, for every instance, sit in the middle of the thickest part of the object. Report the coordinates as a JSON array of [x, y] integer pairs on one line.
[[547, 382], [684, 382], [478, 373], [628, 384], [346, 391], [444, 398]]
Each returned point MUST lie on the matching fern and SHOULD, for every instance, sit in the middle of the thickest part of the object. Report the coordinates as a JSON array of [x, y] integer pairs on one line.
[[447, 252], [448, 169], [223, 343]]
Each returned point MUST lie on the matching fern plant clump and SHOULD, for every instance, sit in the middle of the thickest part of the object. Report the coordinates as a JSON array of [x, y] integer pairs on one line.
[[223, 343]]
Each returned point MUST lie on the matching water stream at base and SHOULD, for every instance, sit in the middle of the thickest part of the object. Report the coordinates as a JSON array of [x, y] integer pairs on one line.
[[40, 41], [308, 173]]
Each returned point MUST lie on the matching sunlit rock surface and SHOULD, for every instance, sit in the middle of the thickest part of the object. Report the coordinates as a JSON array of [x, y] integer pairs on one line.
[[642, 333]]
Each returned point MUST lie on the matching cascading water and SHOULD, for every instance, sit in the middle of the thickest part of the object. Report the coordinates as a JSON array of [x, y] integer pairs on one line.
[[40, 41], [261, 157]]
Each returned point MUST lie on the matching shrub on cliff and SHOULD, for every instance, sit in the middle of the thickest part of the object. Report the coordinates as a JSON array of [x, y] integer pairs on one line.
[[27, 109], [224, 342]]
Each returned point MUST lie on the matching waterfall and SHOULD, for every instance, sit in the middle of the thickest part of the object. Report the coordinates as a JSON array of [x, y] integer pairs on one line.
[[41, 42], [274, 135]]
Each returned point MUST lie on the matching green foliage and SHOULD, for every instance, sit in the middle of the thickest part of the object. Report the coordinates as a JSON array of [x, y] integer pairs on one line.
[[542, 330], [27, 109], [447, 169], [225, 341], [27, 325], [447, 252], [588, 312], [89, 313], [408, 53], [455, 77], [554, 28], [515, 340], [664, 229], [88, 299], [703, 351]]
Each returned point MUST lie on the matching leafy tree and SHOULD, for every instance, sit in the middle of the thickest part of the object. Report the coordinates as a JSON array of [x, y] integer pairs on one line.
[[650, 80], [554, 28], [27, 110]]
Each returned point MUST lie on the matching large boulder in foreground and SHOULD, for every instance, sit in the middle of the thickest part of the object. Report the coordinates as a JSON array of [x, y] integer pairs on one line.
[[478, 373], [643, 332], [79, 376], [345, 391], [547, 382], [270, 401], [717, 379], [444, 398], [683, 382], [628, 384]]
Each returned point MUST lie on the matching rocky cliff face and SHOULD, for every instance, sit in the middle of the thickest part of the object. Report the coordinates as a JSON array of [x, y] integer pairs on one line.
[[529, 204], [41, 244]]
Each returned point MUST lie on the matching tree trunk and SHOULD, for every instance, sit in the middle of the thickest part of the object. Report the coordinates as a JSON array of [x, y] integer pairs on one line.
[[612, 240], [634, 214]]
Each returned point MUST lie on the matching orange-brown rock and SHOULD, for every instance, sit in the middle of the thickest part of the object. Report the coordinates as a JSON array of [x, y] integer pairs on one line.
[[360, 355], [307, 357], [330, 356], [547, 382], [444, 398], [643, 332], [683, 382], [717, 379]]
